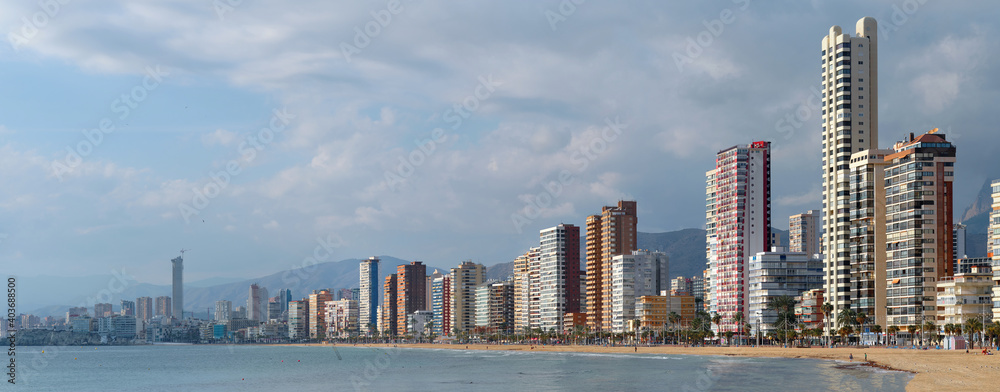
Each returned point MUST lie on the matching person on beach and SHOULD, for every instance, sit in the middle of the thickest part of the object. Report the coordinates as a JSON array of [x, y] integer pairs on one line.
[[851, 357]]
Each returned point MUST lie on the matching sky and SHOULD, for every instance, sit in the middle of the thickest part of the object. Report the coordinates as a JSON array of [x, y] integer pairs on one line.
[[260, 134]]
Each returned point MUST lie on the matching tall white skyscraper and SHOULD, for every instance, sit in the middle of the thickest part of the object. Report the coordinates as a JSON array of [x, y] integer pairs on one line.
[[369, 294], [738, 216], [559, 270], [849, 85], [178, 297]]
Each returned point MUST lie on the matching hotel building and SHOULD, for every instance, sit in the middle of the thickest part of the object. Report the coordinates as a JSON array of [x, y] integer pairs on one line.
[[317, 313], [868, 230], [441, 304], [559, 277], [411, 292], [298, 320], [639, 274], [739, 218], [993, 247], [610, 234], [163, 307], [389, 305], [465, 278], [849, 102], [144, 308], [368, 296], [918, 183], [803, 232]]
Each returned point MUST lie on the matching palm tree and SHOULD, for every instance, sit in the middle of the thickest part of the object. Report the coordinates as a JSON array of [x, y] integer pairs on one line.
[[912, 329], [972, 326], [784, 307], [674, 318], [845, 331], [929, 327], [717, 319], [827, 308], [738, 318], [892, 330]]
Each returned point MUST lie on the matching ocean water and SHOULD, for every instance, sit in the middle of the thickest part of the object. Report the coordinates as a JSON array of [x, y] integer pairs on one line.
[[273, 368]]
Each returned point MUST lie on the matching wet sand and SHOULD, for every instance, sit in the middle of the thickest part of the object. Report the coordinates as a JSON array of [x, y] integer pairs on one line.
[[934, 370]]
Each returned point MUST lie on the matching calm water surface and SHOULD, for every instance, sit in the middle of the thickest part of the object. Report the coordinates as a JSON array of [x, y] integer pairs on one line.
[[272, 368]]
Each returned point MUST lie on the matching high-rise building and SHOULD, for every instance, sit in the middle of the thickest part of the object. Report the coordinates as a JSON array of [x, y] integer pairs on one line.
[[178, 287], [144, 308], [441, 304], [495, 306], [711, 244], [849, 88], [257, 303], [612, 233], [239, 312], [411, 292], [867, 236], [639, 274], [128, 308], [389, 306], [464, 280], [369, 294], [993, 247], [803, 232], [521, 292], [274, 311], [740, 217], [342, 318], [102, 310], [559, 279], [958, 242], [284, 297], [918, 193], [775, 274], [678, 286], [223, 311], [298, 320], [698, 287], [163, 307], [429, 298], [317, 313]]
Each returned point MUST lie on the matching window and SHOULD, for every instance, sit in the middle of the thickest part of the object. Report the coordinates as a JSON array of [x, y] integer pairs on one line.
[[861, 97], [860, 62]]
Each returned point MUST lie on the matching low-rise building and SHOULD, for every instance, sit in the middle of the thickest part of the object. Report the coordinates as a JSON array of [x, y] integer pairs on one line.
[[775, 274], [967, 295]]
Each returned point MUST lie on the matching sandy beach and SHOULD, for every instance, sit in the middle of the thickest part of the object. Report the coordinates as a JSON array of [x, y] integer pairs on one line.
[[934, 370]]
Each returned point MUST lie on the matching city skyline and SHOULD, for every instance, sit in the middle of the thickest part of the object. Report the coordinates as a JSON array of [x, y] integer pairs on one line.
[[529, 129]]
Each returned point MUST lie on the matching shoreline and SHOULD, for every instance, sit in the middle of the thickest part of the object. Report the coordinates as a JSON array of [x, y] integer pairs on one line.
[[932, 370]]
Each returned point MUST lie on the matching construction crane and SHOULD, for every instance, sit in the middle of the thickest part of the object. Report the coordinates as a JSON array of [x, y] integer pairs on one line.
[[182, 252]]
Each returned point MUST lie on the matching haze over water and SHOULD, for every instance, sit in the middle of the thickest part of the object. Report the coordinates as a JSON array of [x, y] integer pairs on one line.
[[273, 368]]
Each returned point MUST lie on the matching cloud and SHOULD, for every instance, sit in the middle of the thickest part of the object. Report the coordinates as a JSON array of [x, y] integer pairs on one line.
[[219, 137]]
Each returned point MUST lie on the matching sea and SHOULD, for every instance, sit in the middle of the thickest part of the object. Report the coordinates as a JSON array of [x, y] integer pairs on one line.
[[379, 368]]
